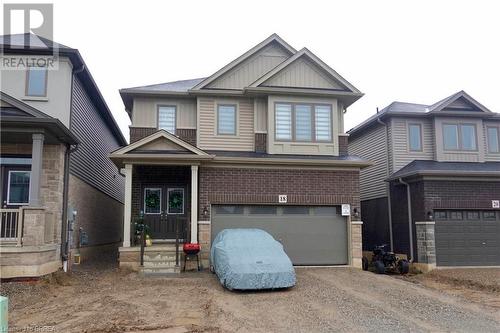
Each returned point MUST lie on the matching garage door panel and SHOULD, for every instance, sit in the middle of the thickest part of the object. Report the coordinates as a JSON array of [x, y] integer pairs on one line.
[[467, 238], [310, 235]]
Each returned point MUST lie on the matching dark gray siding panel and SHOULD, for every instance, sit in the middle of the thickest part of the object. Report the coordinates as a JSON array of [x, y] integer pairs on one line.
[[90, 162]]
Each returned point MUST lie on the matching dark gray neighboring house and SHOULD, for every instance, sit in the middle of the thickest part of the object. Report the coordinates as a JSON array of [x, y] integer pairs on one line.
[[433, 190]]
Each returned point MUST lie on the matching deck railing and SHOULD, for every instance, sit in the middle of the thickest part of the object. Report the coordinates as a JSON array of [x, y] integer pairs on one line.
[[11, 225]]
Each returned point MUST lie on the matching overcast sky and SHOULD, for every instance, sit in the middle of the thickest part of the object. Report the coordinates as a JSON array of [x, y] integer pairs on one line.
[[413, 51]]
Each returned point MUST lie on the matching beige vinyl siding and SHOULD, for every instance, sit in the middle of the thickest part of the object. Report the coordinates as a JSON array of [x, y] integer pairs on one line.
[[260, 115], [490, 157], [207, 133], [372, 146], [252, 68], [400, 141], [145, 111], [304, 74], [461, 155]]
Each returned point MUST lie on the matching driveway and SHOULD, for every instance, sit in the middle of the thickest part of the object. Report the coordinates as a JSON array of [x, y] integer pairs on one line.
[[324, 300]]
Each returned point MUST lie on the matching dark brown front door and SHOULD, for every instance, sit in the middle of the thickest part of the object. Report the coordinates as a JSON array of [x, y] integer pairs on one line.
[[163, 206]]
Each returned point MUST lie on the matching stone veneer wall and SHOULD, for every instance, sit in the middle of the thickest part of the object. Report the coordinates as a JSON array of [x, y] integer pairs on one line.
[[40, 253]]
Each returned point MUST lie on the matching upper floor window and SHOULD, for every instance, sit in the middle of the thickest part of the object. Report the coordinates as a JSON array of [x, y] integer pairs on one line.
[[226, 119], [36, 81], [303, 122], [459, 137], [415, 137], [493, 139], [166, 118]]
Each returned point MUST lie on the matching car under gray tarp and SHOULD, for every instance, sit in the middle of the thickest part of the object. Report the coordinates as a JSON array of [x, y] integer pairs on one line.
[[250, 259]]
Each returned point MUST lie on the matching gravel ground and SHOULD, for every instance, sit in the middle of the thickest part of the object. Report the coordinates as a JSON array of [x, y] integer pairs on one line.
[[104, 299]]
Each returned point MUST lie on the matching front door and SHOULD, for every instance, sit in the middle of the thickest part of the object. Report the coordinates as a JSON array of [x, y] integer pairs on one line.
[[162, 207]]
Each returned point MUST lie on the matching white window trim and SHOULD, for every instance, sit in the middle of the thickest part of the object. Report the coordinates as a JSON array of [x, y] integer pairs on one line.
[[168, 199], [421, 135], [44, 95], [313, 123], [144, 201], [488, 139], [217, 132], [8, 189], [459, 137], [158, 106]]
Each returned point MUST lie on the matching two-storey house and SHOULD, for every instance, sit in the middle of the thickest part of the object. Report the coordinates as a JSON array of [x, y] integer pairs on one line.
[[433, 190], [260, 143], [56, 134]]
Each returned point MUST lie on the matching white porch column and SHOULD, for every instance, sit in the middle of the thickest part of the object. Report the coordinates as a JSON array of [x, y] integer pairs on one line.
[[194, 204], [36, 169], [127, 207]]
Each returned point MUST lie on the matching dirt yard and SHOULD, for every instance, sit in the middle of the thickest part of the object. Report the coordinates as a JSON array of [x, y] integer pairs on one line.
[[105, 299], [481, 285]]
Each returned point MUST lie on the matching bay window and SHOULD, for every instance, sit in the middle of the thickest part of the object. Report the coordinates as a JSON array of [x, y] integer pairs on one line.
[[303, 122]]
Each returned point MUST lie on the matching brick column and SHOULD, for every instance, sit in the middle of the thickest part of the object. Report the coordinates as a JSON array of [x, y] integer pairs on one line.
[[426, 245], [356, 244]]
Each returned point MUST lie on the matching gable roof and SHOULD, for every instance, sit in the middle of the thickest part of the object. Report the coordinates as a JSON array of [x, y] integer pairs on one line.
[[158, 135], [305, 53], [273, 38], [423, 110], [17, 114], [26, 109], [459, 96], [34, 44]]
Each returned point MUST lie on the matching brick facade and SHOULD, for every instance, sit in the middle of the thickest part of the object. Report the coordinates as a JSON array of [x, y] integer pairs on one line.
[[260, 186], [343, 143], [260, 142], [186, 134], [428, 195]]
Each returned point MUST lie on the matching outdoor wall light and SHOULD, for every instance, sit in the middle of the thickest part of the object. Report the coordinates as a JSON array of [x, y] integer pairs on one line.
[[429, 216], [205, 211], [355, 212]]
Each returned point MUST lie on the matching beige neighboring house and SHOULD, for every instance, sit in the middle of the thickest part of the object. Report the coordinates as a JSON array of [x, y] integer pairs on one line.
[[260, 143], [56, 134]]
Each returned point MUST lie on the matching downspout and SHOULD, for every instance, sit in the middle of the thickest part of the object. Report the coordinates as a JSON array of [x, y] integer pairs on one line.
[[64, 228], [389, 207], [410, 219]]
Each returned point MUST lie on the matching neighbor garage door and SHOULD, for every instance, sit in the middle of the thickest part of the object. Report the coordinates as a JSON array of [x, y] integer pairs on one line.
[[310, 235], [467, 238]]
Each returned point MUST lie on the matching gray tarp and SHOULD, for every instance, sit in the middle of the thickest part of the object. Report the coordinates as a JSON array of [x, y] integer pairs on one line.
[[251, 259]]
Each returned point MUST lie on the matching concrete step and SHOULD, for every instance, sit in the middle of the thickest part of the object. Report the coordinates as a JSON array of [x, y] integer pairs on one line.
[[159, 264], [159, 257], [159, 271]]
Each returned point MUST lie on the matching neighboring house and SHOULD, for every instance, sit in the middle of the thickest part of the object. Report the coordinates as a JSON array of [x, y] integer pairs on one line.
[[435, 167], [260, 143], [56, 134]]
